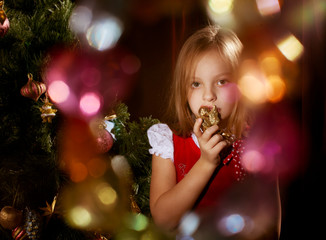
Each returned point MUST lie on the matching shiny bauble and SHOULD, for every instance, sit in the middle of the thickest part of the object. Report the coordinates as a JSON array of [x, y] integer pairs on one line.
[[4, 27], [104, 141], [33, 89], [10, 217]]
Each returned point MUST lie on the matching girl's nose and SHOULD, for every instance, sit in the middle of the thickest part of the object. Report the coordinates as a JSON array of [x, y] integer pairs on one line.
[[209, 95]]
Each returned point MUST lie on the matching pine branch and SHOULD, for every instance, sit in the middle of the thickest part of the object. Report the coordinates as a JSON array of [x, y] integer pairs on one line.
[[132, 142]]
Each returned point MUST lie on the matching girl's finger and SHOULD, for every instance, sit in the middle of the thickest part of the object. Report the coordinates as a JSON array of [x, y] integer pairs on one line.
[[219, 146], [214, 140], [210, 132], [196, 129]]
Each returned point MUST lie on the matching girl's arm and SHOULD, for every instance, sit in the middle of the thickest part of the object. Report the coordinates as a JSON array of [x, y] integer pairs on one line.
[[170, 200]]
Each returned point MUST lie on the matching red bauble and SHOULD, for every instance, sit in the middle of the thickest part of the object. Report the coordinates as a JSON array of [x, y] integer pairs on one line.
[[104, 141], [33, 89], [4, 27]]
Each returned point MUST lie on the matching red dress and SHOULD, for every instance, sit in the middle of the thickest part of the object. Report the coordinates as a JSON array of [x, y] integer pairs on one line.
[[230, 171]]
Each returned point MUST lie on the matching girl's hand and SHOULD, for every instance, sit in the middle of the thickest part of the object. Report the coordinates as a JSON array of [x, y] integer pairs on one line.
[[211, 144]]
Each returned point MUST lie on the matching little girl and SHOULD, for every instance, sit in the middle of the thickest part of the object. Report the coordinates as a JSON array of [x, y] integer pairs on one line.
[[192, 168]]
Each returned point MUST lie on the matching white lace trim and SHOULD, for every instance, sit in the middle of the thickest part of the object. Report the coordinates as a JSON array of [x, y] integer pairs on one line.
[[160, 138]]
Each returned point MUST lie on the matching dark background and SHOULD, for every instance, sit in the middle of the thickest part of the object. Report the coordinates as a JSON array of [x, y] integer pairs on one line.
[[157, 40]]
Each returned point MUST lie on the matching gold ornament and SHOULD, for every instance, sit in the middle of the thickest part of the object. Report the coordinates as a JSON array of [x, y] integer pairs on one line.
[[47, 112], [10, 217], [3, 15], [50, 210], [133, 205], [210, 117]]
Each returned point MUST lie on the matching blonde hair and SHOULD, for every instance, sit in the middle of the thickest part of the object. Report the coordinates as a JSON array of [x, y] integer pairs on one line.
[[179, 115]]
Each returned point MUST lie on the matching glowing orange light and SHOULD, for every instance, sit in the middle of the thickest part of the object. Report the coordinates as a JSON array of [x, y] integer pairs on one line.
[[253, 88], [78, 172], [277, 88], [97, 167]]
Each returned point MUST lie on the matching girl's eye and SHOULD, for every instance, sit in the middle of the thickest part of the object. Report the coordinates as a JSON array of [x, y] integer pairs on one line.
[[195, 84], [222, 82]]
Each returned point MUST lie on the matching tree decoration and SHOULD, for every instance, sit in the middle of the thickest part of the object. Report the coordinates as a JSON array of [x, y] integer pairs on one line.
[[4, 22], [10, 217], [132, 143], [19, 233], [33, 224], [104, 140], [47, 112], [33, 89]]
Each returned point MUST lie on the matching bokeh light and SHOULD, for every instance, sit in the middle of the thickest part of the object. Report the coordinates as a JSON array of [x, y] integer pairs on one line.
[[220, 6], [137, 222], [106, 194], [90, 103], [80, 19], [97, 167], [78, 171], [268, 7], [79, 216], [253, 88], [220, 12], [290, 47], [104, 34], [58, 91], [231, 224], [189, 224], [276, 88], [253, 161], [121, 167]]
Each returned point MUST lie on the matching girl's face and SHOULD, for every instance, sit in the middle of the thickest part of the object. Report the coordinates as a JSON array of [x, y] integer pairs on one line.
[[213, 84]]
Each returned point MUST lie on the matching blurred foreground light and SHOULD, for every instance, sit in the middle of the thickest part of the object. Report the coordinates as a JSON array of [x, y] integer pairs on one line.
[[253, 88], [253, 161], [290, 47], [90, 103], [231, 224], [80, 19], [137, 222], [189, 224], [268, 7], [276, 89], [58, 91], [220, 6], [121, 166], [106, 194], [220, 12], [104, 34], [79, 216]]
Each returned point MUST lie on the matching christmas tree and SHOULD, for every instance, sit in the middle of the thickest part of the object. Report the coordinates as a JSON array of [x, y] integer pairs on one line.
[[30, 171]]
